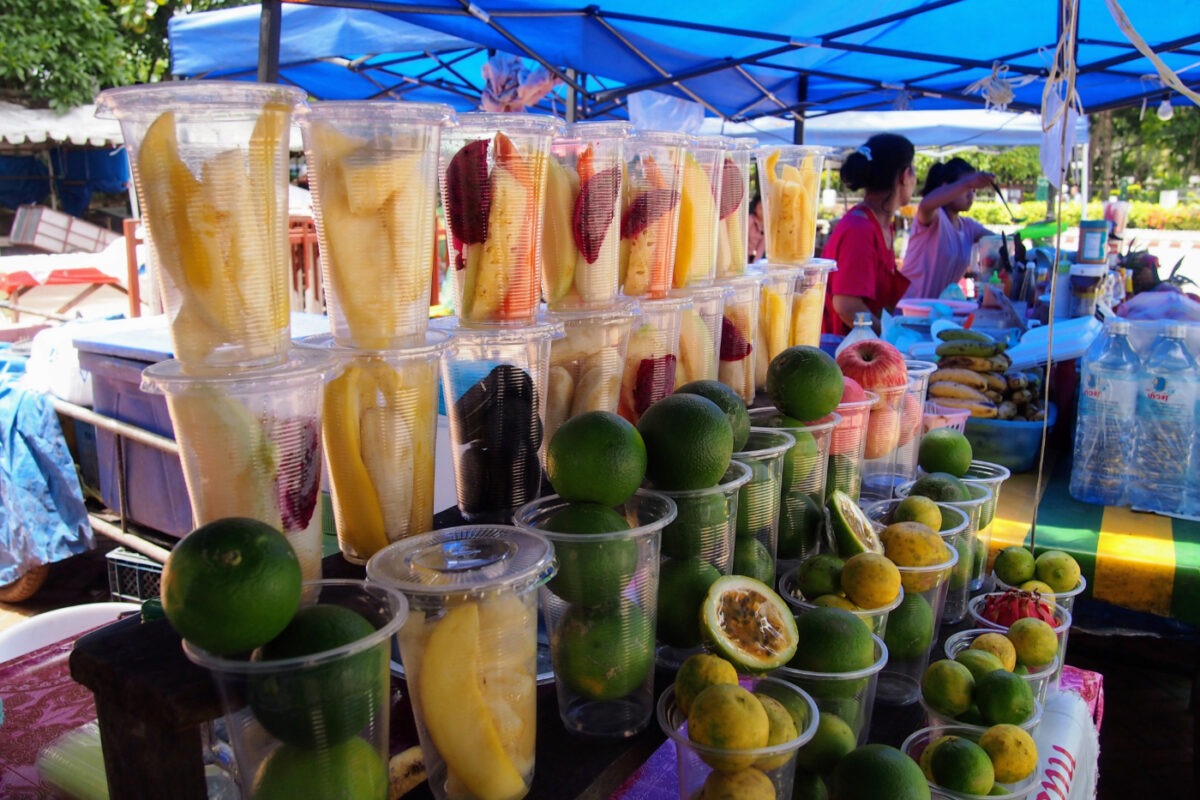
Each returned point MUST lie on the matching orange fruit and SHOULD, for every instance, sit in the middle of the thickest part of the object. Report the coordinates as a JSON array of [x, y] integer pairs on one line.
[[591, 444], [697, 673], [331, 700], [946, 687], [1014, 565], [998, 645], [805, 382], [917, 508], [781, 727], [231, 585], [942, 487], [945, 450], [1058, 570], [728, 717], [1034, 641], [1012, 751], [870, 580], [689, 442]]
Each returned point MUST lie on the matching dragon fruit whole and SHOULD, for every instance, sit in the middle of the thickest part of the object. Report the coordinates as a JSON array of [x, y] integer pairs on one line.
[[1013, 604]]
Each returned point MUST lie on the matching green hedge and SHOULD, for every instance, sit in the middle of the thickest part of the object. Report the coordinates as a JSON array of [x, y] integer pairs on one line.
[[1142, 215]]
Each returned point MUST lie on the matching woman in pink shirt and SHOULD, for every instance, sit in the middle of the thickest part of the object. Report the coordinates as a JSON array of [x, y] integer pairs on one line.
[[939, 251], [866, 278]]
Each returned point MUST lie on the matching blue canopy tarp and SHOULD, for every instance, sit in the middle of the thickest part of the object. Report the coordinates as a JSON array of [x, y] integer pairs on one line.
[[741, 61]]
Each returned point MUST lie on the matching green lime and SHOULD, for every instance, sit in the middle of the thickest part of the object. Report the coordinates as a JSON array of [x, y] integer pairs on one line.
[[591, 573], [752, 559], [330, 701], [689, 442], [682, 585], [801, 521], [758, 501], [833, 740], [1014, 565], [1004, 697], [832, 640], [591, 444], [876, 771], [701, 520], [804, 382], [916, 508], [961, 765], [820, 575], [728, 401], [801, 458], [945, 450], [351, 770], [909, 630], [940, 486], [603, 653], [979, 662], [231, 585], [946, 687]]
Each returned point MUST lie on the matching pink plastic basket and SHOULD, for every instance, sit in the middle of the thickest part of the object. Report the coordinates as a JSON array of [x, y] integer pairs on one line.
[[944, 417]]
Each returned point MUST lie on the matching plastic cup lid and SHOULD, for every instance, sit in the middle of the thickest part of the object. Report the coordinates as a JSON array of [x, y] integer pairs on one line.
[[466, 560], [303, 365]]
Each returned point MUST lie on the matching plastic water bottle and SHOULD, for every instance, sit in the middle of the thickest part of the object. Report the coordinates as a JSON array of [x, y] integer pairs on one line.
[[1106, 424], [862, 330], [1166, 423]]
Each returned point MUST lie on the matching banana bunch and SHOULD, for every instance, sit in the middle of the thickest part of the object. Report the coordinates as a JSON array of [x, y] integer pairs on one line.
[[379, 449], [975, 373]]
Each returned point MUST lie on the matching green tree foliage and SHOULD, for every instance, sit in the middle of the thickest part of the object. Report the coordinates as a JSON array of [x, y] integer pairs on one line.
[[1147, 151], [59, 53], [144, 30]]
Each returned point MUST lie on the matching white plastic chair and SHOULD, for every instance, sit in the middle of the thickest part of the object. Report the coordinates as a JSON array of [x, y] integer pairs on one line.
[[52, 626]]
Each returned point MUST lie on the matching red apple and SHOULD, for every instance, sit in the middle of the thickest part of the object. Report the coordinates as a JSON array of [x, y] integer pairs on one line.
[[849, 433], [853, 391], [883, 432], [874, 364], [910, 420]]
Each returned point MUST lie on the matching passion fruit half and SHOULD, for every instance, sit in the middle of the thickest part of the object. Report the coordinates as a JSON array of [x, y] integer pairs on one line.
[[853, 531], [749, 624]]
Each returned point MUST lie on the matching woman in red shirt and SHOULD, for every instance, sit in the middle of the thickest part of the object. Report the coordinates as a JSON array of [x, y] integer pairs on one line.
[[866, 278]]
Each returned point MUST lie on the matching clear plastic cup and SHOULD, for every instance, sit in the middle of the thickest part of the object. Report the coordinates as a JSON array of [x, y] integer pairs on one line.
[[695, 762], [210, 163], [1038, 678], [790, 182], [250, 444], [697, 548], [992, 476], [933, 717], [912, 413], [739, 326], [879, 477], [957, 533], [759, 501], [373, 171], [1061, 625], [379, 431], [469, 650], [774, 319], [493, 178], [581, 237], [734, 208], [699, 212], [848, 695], [847, 444], [1064, 599], [913, 629], [318, 720], [808, 301], [650, 213], [873, 618], [700, 334], [917, 741], [802, 520], [601, 613], [981, 497], [494, 384], [586, 363], [652, 356]]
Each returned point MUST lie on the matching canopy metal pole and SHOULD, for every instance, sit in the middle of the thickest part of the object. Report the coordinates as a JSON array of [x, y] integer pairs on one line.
[[270, 23], [798, 114], [572, 97]]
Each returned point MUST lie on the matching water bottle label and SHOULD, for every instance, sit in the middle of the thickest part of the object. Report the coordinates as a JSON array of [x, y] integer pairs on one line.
[[1169, 399], [1109, 395]]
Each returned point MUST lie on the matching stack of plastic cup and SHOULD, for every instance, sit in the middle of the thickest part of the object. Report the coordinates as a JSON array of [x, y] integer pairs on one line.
[[980, 498], [848, 695], [373, 169], [652, 356], [847, 445], [699, 212], [758, 510], [469, 652], [956, 532], [494, 385], [912, 412], [808, 301], [601, 611], [493, 175], [879, 476], [873, 618], [650, 222], [700, 334], [802, 483], [697, 548], [790, 182], [710, 771], [739, 328], [319, 720], [587, 362], [734, 208], [993, 477], [774, 318], [581, 236], [912, 630]]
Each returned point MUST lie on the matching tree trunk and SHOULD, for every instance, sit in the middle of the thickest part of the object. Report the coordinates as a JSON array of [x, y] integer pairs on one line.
[[1101, 153]]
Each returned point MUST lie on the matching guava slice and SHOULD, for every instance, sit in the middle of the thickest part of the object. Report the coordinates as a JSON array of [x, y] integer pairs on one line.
[[853, 531], [747, 623]]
